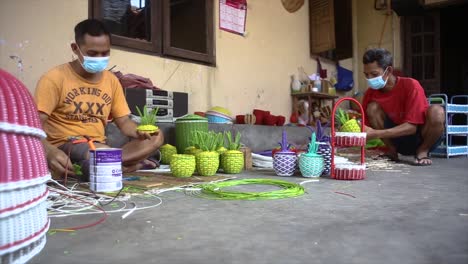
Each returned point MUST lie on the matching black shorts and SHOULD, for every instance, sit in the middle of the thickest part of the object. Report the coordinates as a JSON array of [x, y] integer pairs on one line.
[[407, 145]]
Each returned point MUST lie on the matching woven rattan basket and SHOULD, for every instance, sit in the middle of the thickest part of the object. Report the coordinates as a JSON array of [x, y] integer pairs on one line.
[[182, 165], [232, 161], [311, 164], [185, 126], [23, 174], [207, 163], [167, 151]]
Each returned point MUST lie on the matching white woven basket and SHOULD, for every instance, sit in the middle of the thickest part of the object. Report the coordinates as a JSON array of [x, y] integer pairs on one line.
[[26, 253], [17, 200], [20, 230]]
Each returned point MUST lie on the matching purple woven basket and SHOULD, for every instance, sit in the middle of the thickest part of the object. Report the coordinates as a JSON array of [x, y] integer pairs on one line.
[[285, 163]]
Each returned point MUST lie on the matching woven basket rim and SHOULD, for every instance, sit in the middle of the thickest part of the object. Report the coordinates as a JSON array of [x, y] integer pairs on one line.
[[350, 134], [24, 183]]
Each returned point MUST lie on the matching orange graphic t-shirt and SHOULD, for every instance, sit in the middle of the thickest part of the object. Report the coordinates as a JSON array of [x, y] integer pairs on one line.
[[77, 107]]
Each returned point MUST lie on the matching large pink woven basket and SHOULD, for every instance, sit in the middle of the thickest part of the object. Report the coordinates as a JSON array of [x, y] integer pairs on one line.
[[23, 174]]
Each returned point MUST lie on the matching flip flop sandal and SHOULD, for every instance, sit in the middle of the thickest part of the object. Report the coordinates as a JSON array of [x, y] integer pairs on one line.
[[418, 161]]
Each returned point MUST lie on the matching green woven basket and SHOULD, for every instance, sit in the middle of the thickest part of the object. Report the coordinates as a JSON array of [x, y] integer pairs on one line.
[[207, 163], [192, 151], [184, 127], [220, 151], [350, 126], [183, 165], [311, 164], [167, 151], [232, 161]]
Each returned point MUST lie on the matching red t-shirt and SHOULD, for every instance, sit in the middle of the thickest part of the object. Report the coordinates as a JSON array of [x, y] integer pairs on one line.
[[405, 103]]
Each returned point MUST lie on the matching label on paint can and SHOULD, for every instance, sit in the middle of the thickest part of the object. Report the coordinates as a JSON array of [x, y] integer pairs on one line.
[[114, 170], [105, 169], [105, 186]]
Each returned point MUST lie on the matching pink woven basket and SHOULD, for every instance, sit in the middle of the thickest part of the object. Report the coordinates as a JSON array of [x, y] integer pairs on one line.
[[23, 174]]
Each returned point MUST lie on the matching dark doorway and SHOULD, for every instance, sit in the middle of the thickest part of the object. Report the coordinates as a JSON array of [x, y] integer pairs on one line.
[[434, 53], [454, 51]]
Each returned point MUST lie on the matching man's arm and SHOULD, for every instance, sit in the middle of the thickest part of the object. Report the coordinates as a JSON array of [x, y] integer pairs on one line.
[[404, 129], [58, 161]]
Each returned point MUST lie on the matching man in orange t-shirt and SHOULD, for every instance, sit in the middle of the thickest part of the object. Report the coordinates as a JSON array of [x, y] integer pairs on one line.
[[397, 110], [75, 99]]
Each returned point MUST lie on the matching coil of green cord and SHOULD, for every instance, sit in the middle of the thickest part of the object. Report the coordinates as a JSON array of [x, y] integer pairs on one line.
[[215, 190]]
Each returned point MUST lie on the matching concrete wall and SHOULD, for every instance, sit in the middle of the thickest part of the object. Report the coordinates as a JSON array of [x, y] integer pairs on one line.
[[251, 72]]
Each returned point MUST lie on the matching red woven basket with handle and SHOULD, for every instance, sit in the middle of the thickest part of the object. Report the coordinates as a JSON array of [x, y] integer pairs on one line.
[[348, 171]]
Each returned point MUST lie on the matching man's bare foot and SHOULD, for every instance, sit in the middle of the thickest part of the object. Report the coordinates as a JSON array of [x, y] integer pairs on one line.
[[422, 159]]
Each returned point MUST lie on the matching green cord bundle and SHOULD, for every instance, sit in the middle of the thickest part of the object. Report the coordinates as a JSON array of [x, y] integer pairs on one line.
[[214, 190]]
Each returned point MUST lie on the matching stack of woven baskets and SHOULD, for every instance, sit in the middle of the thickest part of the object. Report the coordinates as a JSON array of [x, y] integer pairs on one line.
[[219, 115], [23, 174]]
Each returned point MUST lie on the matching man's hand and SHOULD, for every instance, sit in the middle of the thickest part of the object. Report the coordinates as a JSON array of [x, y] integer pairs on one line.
[[58, 162], [371, 133], [145, 135]]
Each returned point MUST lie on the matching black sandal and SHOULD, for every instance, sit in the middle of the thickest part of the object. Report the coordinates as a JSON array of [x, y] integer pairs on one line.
[[418, 161]]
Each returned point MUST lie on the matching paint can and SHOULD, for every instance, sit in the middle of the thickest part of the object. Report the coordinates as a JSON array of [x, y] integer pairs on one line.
[[105, 169]]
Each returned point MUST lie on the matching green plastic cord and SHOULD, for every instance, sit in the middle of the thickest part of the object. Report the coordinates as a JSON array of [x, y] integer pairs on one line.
[[214, 190]]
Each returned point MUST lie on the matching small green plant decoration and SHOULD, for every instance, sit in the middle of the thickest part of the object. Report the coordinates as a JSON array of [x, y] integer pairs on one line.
[[313, 146], [347, 125], [148, 120], [232, 161], [233, 144]]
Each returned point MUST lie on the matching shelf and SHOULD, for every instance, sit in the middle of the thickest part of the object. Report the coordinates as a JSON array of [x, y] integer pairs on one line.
[[458, 105], [457, 109], [315, 95], [456, 129]]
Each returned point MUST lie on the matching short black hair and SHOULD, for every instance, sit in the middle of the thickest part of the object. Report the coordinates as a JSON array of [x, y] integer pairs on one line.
[[92, 27], [382, 56]]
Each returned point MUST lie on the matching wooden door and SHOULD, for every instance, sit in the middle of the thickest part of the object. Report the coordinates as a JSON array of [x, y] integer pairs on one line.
[[422, 50]]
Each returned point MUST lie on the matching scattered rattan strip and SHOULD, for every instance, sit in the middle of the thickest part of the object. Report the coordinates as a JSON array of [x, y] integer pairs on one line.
[[215, 190]]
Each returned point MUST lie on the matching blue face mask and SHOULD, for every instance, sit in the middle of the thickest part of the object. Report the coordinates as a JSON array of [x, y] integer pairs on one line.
[[94, 64], [378, 82]]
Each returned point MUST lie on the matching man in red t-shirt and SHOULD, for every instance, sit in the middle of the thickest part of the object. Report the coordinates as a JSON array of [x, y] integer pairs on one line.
[[397, 110]]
